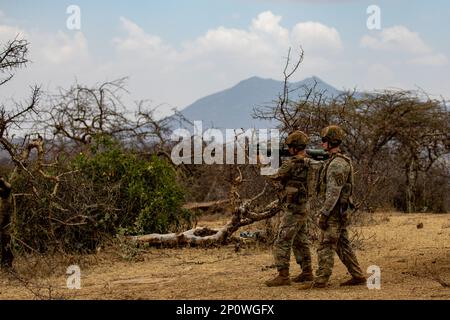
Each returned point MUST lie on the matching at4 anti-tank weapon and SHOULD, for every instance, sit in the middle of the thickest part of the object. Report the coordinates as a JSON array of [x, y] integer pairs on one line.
[[314, 153], [284, 154]]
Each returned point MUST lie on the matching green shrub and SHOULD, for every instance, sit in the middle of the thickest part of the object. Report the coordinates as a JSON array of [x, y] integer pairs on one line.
[[149, 196], [109, 191]]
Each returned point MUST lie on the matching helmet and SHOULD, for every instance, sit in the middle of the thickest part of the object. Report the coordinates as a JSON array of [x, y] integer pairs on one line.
[[297, 139], [333, 134]]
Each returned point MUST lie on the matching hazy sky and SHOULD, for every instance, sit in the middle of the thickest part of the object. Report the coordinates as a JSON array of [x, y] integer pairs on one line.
[[177, 51]]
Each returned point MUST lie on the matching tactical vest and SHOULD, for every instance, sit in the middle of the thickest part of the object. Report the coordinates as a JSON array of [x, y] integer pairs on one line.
[[346, 197], [297, 185]]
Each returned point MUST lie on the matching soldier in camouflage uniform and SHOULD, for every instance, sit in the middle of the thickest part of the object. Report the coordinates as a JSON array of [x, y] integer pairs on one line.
[[293, 231], [6, 256], [336, 183]]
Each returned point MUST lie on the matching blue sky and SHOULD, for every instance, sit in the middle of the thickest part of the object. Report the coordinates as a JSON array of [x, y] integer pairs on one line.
[[200, 15], [177, 51], [177, 21]]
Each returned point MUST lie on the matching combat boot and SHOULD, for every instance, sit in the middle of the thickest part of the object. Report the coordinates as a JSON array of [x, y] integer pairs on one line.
[[305, 276], [312, 285], [354, 281], [282, 279]]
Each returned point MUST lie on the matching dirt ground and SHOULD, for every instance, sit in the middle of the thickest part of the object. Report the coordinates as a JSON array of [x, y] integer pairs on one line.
[[413, 262]]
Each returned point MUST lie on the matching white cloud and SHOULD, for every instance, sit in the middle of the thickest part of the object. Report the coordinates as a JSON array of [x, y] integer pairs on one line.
[[264, 38], [8, 33], [56, 48], [317, 38], [398, 39], [269, 23], [63, 48], [225, 40], [137, 39]]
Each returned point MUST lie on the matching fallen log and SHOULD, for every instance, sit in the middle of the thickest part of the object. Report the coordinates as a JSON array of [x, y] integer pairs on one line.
[[203, 236]]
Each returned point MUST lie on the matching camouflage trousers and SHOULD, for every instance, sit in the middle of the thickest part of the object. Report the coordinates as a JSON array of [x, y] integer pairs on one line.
[[293, 234], [5, 237], [335, 239]]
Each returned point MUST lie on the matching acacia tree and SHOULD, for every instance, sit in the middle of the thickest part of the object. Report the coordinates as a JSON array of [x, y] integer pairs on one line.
[[77, 114], [416, 130]]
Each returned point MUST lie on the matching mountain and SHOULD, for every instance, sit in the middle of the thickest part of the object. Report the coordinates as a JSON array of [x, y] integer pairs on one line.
[[233, 108]]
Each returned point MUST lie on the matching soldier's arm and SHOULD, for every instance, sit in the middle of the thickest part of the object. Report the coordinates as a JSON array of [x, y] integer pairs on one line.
[[283, 172], [336, 176]]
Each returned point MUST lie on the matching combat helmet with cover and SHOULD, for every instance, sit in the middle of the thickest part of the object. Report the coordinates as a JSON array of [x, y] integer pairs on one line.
[[297, 139], [333, 134]]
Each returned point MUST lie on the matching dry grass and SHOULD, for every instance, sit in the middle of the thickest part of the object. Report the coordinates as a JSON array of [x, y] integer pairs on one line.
[[415, 264]]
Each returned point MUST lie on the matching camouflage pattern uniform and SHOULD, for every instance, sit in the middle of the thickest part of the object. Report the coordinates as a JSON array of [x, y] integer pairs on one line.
[[6, 256], [294, 176], [336, 183], [293, 231]]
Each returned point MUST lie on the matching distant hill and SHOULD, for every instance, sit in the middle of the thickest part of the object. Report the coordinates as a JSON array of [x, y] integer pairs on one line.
[[233, 107]]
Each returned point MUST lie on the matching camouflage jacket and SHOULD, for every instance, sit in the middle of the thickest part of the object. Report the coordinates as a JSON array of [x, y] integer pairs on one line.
[[336, 183], [298, 172]]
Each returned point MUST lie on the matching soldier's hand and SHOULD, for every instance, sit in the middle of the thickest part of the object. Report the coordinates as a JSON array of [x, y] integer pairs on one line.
[[323, 222]]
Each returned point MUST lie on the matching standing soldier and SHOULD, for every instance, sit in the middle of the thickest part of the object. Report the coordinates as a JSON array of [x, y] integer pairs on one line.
[[293, 232], [6, 256], [336, 183]]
